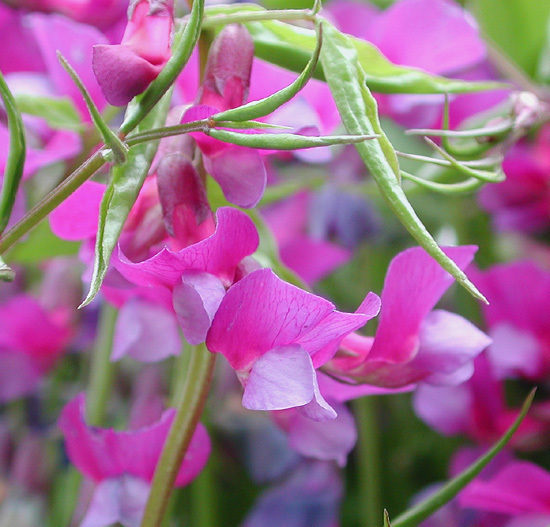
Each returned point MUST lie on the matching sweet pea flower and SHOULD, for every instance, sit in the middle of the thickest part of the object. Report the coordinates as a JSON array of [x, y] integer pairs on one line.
[[239, 171], [122, 464], [126, 69], [477, 408], [275, 335], [31, 342], [414, 343], [521, 489], [517, 318]]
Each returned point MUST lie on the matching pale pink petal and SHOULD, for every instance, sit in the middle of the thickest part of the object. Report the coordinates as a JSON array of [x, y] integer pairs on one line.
[[448, 343], [77, 217], [18, 376], [117, 500], [327, 440], [196, 299], [282, 378], [146, 332]]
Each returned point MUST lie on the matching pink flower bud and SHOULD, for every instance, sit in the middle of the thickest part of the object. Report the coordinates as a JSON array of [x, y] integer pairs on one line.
[[126, 69], [227, 73]]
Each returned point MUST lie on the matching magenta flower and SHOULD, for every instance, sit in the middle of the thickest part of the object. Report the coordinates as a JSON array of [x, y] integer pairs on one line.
[[521, 489], [31, 341], [413, 342], [517, 318], [126, 69], [239, 171], [122, 464], [522, 201], [275, 335], [197, 275]]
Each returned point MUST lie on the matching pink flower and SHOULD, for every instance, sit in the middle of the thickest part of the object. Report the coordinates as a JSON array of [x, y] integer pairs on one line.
[[31, 341], [275, 335], [122, 464], [517, 318], [414, 343], [126, 69]]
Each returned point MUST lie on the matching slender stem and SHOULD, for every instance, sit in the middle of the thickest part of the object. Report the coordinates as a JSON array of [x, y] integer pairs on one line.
[[52, 200], [166, 131], [368, 461], [101, 374], [256, 16], [188, 412]]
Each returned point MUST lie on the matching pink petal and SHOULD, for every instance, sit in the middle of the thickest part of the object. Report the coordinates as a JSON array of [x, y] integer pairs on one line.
[[77, 217], [414, 283], [435, 35], [240, 173], [219, 254], [196, 300], [146, 332], [18, 376], [122, 73], [261, 312], [74, 41], [521, 487]]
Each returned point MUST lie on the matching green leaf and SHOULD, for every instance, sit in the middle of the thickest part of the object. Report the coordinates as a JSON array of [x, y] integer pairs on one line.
[[184, 43], [15, 162], [41, 245], [58, 112], [358, 111], [517, 28], [285, 141], [121, 194], [424, 509], [386, 519], [291, 47], [256, 109], [118, 148]]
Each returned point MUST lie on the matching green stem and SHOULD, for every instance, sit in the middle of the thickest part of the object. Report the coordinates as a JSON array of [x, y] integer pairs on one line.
[[52, 200], [213, 21], [368, 460], [101, 374], [189, 409]]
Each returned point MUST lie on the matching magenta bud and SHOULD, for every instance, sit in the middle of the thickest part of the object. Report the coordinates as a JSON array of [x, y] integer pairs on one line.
[[182, 195], [126, 69], [227, 73]]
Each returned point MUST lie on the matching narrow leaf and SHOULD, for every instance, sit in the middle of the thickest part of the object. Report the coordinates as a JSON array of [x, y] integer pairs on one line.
[[256, 109], [120, 196], [386, 519], [424, 509], [184, 43], [119, 149], [358, 110], [285, 141], [16, 157]]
